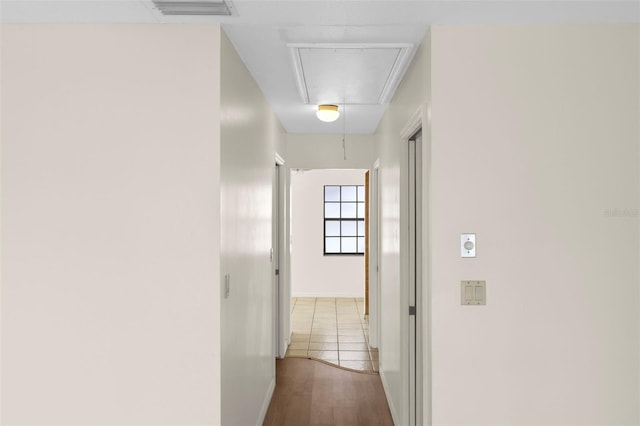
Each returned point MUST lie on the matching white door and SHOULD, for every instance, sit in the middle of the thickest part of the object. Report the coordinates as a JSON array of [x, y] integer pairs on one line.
[[415, 275], [282, 300], [374, 259]]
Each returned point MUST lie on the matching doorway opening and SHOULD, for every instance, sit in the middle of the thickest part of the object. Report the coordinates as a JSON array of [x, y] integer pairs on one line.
[[329, 308]]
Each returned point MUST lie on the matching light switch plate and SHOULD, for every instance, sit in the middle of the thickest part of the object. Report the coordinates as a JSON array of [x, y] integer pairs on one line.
[[473, 292], [227, 285], [468, 245]]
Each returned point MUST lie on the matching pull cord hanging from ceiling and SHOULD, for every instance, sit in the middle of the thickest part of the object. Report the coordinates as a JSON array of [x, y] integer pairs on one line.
[[344, 131], [344, 124]]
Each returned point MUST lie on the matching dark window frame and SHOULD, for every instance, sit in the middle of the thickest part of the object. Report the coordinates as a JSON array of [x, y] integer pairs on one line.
[[340, 220]]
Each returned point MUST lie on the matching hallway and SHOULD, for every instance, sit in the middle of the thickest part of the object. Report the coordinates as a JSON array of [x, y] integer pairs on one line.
[[333, 330], [149, 251], [310, 392]]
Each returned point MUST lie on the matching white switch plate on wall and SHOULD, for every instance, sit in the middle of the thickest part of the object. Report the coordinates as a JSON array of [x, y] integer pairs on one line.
[[468, 245], [473, 292]]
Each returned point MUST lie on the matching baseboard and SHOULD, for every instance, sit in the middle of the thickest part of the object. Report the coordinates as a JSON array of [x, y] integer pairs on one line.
[[283, 350], [392, 408], [266, 403], [332, 295]]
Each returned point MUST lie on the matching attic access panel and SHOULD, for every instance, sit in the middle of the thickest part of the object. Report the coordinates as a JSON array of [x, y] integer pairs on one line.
[[356, 74]]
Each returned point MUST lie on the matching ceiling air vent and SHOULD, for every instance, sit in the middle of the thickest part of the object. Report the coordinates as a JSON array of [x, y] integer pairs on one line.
[[191, 7]]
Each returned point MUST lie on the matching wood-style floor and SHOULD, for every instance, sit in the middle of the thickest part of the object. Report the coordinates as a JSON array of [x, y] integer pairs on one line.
[[310, 392]]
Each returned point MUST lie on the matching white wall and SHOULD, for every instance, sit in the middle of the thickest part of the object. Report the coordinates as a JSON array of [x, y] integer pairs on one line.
[[544, 120], [110, 220], [312, 273], [326, 152], [250, 135], [394, 299]]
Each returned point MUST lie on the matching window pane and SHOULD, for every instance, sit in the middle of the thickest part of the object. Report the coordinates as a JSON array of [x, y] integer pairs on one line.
[[344, 227], [348, 193], [332, 245], [332, 228], [332, 210], [349, 245], [349, 210], [332, 193], [348, 228]]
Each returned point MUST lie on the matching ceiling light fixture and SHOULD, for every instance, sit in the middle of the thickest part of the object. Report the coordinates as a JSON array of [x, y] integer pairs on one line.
[[327, 113]]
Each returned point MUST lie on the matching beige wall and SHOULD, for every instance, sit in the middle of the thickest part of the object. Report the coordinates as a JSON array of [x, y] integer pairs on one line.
[[312, 273], [532, 142], [409, 100], [325, 151], [110, 220], [250, 136], [535, 149]]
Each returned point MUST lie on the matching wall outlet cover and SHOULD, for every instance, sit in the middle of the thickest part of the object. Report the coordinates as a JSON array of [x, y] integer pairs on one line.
[[468, 245]]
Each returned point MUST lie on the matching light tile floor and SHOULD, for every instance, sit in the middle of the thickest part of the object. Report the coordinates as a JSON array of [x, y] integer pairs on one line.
[[333, 330]]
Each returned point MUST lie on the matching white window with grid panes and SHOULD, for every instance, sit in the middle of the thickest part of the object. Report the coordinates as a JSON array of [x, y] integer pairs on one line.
[[344, 219]]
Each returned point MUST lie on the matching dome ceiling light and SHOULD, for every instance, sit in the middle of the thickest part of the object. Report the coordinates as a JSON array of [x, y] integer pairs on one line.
[[327, 113]]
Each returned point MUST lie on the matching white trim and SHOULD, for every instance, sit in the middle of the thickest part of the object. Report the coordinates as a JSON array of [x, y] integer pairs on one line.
[[397, 73], [301, 84], [420, 121], [275, 253], [413, 279], [425, 410], [266, 402], [349, 45], [413, 124], [282, 309], [286, 245], [374, 255], [392, 408]]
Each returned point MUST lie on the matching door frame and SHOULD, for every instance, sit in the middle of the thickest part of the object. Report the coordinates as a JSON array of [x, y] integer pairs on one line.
[[374, 255], [419, 376], [280, 269], [414, 275]]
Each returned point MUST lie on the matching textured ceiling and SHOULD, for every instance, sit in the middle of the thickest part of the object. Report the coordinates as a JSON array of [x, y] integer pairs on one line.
[[262, 30]]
